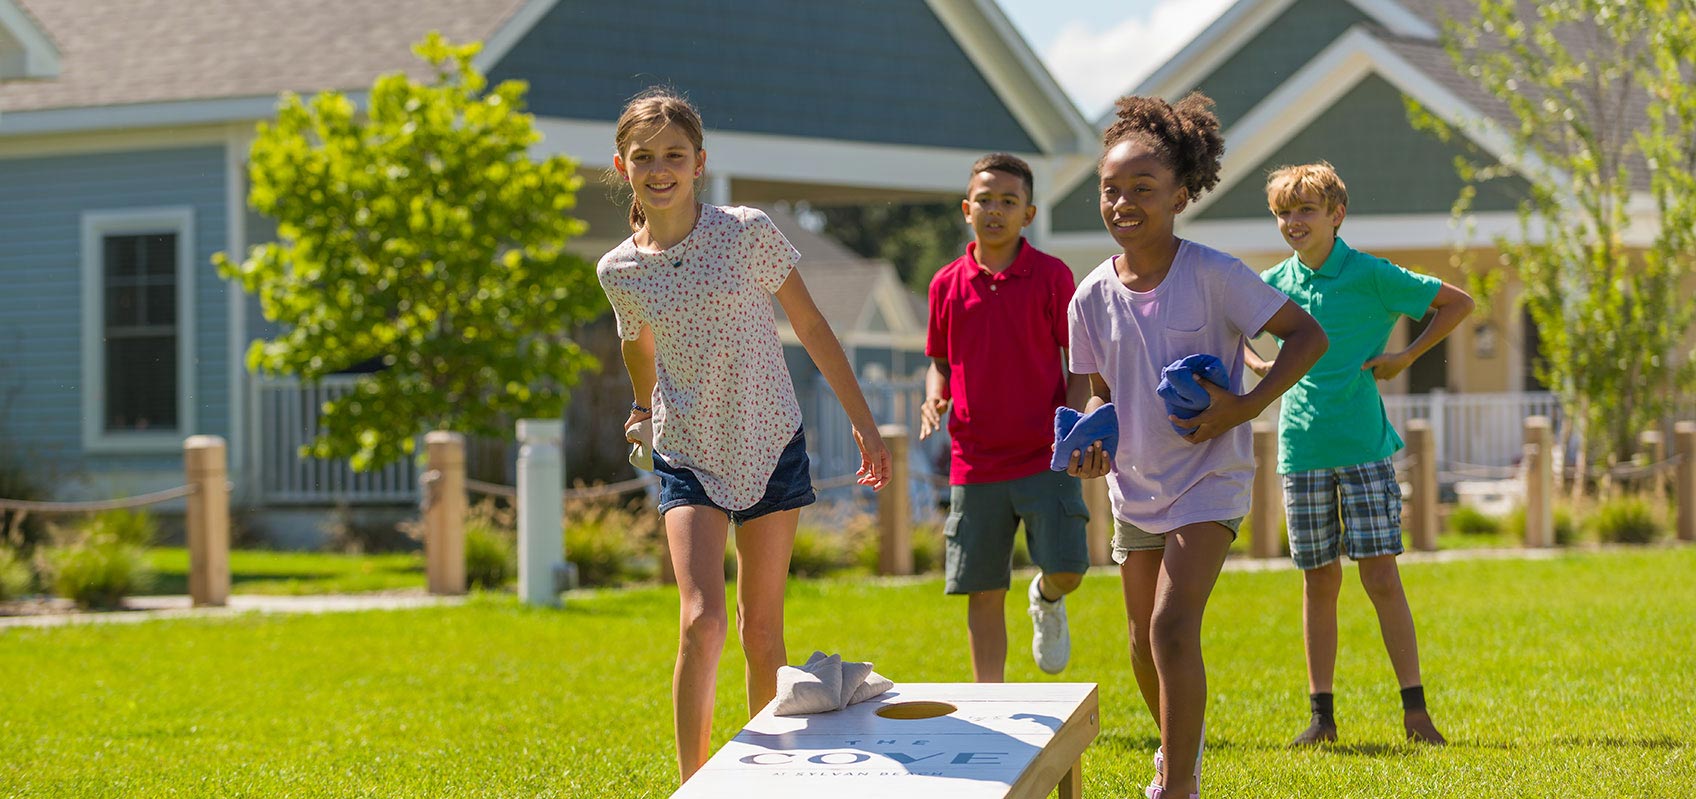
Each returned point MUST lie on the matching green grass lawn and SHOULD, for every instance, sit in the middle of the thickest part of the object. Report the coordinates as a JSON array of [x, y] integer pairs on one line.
[[1567, 677], [267, 572]]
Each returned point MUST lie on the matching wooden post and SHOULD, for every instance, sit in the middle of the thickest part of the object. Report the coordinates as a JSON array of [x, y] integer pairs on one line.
[[1422, 452], [1100, 529], [207, 470], [444, 516], [1539, 482], [1266, 499], [1684, 443], [894, 516]]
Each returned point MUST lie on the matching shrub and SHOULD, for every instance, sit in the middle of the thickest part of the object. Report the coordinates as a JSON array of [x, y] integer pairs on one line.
[[21, 530], [819, 552], [1467, 520], [1566, 529], [133, 526], [928, 546], [1626, 521], [610, 542], [15, 576], [491, 549], [96, 571]]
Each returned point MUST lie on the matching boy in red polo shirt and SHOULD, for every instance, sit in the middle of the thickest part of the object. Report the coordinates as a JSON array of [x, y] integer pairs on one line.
[[997, 339]]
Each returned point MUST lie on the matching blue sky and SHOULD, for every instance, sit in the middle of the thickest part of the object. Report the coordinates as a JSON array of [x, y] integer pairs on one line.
[[1100, 49]]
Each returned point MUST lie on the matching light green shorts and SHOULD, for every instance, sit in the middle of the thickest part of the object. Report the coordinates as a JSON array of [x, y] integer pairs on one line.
[[1128, 538]]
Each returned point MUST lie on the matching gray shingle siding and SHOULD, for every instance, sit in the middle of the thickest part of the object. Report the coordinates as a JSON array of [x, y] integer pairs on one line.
[[1389, 167], [42, 201], [1280, 50], [891, 73]]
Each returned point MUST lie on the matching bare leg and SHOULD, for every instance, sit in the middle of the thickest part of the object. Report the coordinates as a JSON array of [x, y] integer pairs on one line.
[[1319, 638], [986, 625], [1139, 575], [1060, 584], [1190, 566], [763, 547], [1319, 624], [1383, 583], [697, 535]]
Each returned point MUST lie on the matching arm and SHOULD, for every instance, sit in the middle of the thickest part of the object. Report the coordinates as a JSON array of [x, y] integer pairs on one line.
[[639, 362], [1077, 386], [821, 345], [937, 398], [1304, 342], [1452, 306]]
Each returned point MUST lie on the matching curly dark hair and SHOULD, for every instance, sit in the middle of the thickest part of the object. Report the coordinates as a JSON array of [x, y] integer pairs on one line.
[[1185, 135]]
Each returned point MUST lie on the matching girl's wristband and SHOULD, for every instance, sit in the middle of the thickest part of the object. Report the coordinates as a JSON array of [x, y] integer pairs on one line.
[[639, 407]]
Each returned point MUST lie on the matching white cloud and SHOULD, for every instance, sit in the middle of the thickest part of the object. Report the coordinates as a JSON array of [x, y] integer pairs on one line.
[[1096, 65]]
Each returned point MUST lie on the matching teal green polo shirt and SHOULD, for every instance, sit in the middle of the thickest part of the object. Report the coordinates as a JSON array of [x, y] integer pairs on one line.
[[1334, 416]]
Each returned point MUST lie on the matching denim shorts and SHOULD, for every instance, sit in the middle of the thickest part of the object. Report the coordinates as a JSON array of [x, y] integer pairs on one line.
[[790, 486], [984, 517], [1354, 509]]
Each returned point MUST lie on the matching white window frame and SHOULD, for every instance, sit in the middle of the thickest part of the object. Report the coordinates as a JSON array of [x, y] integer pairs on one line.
[[96, 226]]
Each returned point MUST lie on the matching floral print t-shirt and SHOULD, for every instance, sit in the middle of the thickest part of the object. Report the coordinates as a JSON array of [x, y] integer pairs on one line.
[[724, 405]]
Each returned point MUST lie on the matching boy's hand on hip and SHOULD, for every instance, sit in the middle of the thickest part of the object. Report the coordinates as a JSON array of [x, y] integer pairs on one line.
[[1387, 366], [931, 412], [874, 459], [1227, 410]]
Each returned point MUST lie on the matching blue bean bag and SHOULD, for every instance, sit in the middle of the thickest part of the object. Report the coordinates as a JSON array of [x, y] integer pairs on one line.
[[1074, 432], [1180, 388]]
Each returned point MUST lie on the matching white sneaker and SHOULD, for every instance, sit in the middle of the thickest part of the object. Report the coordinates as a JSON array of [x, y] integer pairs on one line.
[[1051, 643]]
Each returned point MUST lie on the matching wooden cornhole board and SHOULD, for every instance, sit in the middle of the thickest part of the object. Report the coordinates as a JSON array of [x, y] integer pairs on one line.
[[1002, 740]]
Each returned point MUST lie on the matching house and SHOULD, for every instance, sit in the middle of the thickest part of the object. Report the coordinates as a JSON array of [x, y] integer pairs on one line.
[[122, 170], [1303, 80]]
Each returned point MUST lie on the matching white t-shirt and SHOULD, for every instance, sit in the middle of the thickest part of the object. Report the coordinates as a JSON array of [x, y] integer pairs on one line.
[[724, 405], [1207, 303]]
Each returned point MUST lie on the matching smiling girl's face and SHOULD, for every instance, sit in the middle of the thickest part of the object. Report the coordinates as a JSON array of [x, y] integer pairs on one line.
[[661, 166], [1140, 195]]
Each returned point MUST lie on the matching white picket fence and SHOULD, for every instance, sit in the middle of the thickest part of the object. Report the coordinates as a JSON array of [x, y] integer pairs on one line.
[[285, 414], [1478, 437]]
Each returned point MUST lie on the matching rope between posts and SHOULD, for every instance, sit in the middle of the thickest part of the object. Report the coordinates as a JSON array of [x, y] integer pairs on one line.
[[98, 505]]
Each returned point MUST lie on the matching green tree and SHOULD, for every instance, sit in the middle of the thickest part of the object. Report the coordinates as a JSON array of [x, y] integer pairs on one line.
[[1599, 94], [916, 238], [419, 235]]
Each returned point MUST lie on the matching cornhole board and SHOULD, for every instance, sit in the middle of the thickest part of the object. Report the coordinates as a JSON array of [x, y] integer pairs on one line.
[[998, 740]]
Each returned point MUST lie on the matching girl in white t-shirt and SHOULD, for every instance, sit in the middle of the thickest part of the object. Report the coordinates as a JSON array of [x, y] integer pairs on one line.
[[692, 289], [1177, 498]]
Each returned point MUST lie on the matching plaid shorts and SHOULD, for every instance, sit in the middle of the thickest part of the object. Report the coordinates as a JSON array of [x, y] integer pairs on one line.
[[1355, 509]]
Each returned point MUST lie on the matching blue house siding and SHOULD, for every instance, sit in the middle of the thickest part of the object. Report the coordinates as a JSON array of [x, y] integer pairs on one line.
[[42, 201], [891, 73]]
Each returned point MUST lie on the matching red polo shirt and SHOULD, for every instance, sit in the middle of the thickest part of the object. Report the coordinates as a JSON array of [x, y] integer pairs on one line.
[[1001, 335]]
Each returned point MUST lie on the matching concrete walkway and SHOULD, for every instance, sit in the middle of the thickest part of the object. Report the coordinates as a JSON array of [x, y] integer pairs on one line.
[[148, 608]]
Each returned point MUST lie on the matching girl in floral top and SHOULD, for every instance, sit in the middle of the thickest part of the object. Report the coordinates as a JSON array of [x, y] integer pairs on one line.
[[691, 289]]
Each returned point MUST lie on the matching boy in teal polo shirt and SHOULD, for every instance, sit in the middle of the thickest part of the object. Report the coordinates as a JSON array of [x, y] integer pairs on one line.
[[1334, 439]]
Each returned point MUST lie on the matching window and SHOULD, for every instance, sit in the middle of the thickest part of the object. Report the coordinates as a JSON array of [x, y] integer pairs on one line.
[[137, 329]]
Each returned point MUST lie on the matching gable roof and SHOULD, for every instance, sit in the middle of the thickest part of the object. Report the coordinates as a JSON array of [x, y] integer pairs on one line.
[[1401, 45], [154, 51], [26, 51], [191, 61], [848, 289]]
